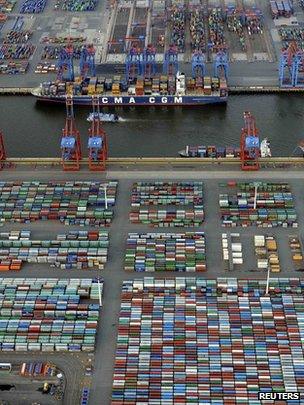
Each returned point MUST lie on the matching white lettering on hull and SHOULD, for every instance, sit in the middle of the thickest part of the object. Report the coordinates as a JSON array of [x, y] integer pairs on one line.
[[178, 100], [151, 100]]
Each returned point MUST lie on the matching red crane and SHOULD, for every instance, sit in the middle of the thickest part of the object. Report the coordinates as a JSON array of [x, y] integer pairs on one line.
[[2, 152], [97, 144], [70, 141], [250, 144]]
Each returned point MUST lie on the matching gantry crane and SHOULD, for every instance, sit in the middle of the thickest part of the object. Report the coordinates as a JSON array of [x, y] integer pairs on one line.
[[221, 64], [87, 61], [70, 141], [133, 64], [250, 144], [97, 144], [2, 151], [170, 66], [65, 66], [149, 63], [198, 64]]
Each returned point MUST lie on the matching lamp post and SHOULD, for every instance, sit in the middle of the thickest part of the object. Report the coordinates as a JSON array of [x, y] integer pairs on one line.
[[105, 196]]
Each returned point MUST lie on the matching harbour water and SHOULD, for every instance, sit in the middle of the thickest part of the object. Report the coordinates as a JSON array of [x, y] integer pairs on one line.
[[34, 129]]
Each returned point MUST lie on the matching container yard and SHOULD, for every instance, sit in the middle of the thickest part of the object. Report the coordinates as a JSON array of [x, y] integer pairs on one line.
[[261, 204], [184, 203], [80, 320], [245, 29], [239, 353], [132, 251]]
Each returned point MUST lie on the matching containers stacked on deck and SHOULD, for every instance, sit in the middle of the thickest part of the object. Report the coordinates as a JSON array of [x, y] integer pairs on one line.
[[71, 202], [188, 340], [273, 205], [76, 5], [281, 8], [203, 151], [16, 51], [178, 19], [77, 249], [172, 195], [197, 30], [217, 39], [38, 370], [13, 68], [296, 247], [232, 250], [184, 252], [32, 6], [48, 314]]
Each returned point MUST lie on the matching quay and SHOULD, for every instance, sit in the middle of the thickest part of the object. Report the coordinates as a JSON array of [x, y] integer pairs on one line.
[[155, 162]]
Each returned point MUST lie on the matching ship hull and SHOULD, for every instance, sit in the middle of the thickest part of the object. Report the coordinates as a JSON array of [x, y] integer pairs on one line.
[[130, 101]]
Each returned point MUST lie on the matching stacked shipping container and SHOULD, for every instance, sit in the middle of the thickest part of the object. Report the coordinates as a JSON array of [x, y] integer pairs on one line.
[[77, 249], [184, 252], [188, 340], [187, 196], [72, 202], [261, 204], [48, 314]]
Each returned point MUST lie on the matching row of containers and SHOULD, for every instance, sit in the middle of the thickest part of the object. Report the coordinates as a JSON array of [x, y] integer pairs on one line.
[[48, 315], [75, 250], [38, 369], [167, 204], [149, 252], [192, 340], [257, 203], [76, 5], [71, 202]]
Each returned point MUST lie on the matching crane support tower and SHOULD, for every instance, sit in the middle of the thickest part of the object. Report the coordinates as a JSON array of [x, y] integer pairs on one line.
[[70, 141], [291, 66], [65, 67], [133, 64], [97, 144], [170, 66], [298, 69], [149, 63], [2, 152], [198, 65], [221, 64], [250, 144], [87, 61]]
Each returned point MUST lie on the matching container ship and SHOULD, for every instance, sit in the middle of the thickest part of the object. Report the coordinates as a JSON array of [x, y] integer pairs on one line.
[[221, 152], [162, 90]]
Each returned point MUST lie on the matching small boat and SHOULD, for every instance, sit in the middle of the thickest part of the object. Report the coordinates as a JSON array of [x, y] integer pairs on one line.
[[265, 148], [104, 117]]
